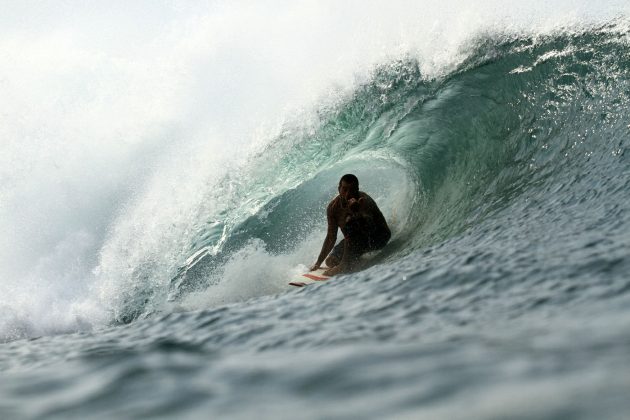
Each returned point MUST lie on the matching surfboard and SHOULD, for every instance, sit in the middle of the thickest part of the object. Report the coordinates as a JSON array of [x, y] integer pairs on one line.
[[311, 277]]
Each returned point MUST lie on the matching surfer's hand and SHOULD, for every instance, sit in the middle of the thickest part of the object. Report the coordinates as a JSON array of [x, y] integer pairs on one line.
[[355, 205]]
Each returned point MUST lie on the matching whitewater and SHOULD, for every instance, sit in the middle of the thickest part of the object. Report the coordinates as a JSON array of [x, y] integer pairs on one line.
[[165, 170]]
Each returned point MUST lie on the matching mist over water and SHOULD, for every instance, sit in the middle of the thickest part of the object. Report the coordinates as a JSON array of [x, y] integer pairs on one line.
[[118, 120]]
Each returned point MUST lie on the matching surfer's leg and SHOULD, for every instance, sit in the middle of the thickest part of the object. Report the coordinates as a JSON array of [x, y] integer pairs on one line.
[[357, 246], [378, 241], [334, 258], [332, 261], [345, 256]]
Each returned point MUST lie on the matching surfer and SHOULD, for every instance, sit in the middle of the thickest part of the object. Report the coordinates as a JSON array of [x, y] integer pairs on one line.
[[363, 226]]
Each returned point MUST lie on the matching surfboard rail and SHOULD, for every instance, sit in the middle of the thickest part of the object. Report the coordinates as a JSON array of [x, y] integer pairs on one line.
[[310, 277]]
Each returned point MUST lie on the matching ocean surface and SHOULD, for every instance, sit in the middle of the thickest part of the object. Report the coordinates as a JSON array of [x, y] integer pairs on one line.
[[165, 174]]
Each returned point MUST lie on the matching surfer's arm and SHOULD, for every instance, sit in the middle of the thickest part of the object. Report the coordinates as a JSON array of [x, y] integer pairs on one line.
[[331, 238]]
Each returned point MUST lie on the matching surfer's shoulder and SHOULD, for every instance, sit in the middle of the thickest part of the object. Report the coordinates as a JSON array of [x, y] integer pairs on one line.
[[368, 200], [334, 205]]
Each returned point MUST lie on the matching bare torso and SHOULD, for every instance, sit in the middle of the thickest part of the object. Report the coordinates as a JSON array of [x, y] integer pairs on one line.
[[340, 213], [363, 226]]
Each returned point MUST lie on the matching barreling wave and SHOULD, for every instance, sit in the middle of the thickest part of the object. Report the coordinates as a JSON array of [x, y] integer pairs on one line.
[[521, 120]]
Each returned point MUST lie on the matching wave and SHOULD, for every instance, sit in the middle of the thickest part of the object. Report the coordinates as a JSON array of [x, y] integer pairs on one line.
[[509, 123], [522, 119]]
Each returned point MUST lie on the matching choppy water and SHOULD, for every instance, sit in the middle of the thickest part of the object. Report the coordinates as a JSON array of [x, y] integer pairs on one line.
[[504, 293]]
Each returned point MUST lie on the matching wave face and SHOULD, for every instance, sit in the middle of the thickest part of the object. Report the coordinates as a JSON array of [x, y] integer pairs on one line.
[[503, 172], [524, 138]]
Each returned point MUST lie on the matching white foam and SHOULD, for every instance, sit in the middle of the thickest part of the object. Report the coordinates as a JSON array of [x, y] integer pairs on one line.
[[253, 272]]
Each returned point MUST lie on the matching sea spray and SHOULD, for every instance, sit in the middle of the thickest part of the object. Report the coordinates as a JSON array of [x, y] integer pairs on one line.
[[122, 150]]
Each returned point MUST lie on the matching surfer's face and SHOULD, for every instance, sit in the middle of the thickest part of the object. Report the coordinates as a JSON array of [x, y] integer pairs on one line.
[[346, 190]]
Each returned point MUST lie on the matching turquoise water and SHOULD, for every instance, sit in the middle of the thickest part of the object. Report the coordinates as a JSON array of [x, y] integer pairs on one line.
[[504, 292]]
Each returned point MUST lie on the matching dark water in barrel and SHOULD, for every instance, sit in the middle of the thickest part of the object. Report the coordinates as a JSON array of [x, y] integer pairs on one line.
[[504, 292]]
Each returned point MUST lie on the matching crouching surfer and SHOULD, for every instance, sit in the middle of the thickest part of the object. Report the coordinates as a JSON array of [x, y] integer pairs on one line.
[[363, 226]]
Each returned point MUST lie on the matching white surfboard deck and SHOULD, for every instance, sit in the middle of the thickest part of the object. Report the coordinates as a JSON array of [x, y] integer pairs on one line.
[[316, 276]]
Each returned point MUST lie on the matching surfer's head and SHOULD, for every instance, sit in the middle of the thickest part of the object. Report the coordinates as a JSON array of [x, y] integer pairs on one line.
[[348, 186]]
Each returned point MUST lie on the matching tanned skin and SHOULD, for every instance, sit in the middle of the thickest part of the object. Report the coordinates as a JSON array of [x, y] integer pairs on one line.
[[362, 224]]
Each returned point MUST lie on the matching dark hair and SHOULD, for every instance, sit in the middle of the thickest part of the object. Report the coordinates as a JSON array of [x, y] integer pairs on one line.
[[350, 179]]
